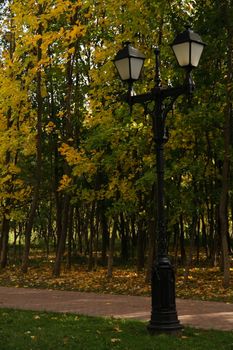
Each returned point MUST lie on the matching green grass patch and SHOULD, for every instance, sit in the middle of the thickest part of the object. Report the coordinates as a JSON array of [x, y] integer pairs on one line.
[[30, 330]]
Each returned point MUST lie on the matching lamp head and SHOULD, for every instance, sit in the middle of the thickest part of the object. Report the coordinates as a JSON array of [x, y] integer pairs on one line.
[[129, 63], [188, 47]]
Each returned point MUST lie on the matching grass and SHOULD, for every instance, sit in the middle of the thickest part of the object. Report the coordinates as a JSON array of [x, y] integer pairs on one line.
[[27, 330]]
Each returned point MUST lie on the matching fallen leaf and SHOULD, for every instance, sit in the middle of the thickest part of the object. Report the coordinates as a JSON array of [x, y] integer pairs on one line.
[[115, 340]]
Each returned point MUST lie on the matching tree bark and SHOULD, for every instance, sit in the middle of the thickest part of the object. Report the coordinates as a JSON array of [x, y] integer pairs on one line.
[[4, 241], [111, 249], [124, 239], [91, 239], [152, 236], [36, 189], [62, 240], [140, 247], [182, 241], [191, 247], [223, 206], [70, 237]]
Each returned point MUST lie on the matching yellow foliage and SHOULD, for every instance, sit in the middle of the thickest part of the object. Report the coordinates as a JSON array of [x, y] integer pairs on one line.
[[49, 128], [76, 32], [65, 182], [78, 158], [13, 168]]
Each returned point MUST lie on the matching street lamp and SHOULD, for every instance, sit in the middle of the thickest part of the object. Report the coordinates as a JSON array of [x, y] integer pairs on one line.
[[187, 48], [129, 63]]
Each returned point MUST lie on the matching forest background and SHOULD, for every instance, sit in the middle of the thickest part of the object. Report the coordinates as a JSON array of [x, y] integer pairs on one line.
[[77, 169]]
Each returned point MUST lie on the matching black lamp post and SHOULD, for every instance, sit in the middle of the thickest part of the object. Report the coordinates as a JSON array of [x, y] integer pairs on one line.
[[187, 48]]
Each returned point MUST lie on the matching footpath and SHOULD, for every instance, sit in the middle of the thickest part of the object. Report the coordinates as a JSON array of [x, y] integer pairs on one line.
[[200, 314]]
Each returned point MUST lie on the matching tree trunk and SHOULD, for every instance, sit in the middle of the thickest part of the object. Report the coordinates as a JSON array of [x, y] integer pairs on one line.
[[198, 242], [105, 234], [133, 235], [36, 188], [62, 240], [79, 231], [91, 239], [152, 236], [124, 239], [111, 249], [140, 247], [176, 242], [70, 237], [223, 206], [204, 236], [8, 185], [56, 167], [4, 241], [191, 247], [182, 241]]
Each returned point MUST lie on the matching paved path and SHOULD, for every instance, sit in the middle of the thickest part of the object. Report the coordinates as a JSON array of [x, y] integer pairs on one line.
[[202, 314]]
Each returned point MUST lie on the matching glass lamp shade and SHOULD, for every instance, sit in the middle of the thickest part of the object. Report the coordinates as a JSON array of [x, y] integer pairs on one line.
[[188, 47], [129, 63]]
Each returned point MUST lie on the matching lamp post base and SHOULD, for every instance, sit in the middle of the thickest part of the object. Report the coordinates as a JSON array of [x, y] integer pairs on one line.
[[164, 315], [169, 327]]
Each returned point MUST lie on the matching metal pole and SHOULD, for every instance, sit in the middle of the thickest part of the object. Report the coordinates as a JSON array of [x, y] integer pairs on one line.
[[164, 315]]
